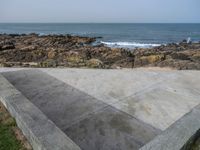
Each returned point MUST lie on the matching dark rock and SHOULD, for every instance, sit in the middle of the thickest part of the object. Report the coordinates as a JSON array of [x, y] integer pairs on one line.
[[184, 41], [181, 56], [7, 46], [14, 35]]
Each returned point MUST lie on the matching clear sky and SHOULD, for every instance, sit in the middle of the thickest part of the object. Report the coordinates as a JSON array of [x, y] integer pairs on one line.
[[95, 11]]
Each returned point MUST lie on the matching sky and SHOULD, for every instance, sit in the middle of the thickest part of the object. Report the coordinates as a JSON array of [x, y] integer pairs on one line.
[[100, 11]]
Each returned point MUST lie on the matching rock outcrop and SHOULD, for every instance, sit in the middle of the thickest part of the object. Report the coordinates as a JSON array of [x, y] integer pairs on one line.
[[73, 51], [57, 50], [178, 56]]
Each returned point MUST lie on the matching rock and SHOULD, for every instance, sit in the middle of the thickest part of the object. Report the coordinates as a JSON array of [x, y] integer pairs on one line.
[[5, 65], [48, 63], [95, 63], [146, 60], [74, 57], [7, 46], [196, 57], [51, 54], [184, 41], [34, 50], [180, 55]]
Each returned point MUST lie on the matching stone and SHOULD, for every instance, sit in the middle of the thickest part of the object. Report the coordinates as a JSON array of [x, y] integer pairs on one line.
[[95, 63], [7, 46], [180, 55], [146, 60], [48, 63], [51, 54]]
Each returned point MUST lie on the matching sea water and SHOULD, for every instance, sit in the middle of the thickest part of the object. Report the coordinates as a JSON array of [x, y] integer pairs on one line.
[[114, 35]]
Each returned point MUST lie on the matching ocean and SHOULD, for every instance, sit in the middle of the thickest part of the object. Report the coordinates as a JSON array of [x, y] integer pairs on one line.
[[114, 35]]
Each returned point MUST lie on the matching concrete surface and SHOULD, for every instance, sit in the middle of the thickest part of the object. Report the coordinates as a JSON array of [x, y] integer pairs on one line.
[[89, 122], [110, 109], [148, 95], [41, 132], [176, 136]]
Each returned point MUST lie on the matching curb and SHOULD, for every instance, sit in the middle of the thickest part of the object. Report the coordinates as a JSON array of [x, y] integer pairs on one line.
[[178, 135], [42, 133]]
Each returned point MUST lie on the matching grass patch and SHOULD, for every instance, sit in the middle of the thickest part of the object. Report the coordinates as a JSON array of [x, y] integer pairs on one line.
[[8, 140], [11, 137]]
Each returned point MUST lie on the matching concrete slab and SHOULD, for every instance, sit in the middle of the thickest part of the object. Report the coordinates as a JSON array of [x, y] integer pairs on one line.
[[41, 132], [144, 94], [4, 69], [108, 86], [84, 102], [158, 107], [70, 109], [62, 103], [177, 136], [111, 129]]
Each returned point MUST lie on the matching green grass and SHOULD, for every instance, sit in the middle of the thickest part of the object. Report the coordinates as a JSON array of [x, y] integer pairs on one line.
[[8, 140]]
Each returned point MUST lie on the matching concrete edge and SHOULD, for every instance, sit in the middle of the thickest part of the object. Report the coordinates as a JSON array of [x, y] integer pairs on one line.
[[177, 135], [41, 132]]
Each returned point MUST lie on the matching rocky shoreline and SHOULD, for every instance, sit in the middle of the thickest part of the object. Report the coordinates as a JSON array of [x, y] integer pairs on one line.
[[33, 50]]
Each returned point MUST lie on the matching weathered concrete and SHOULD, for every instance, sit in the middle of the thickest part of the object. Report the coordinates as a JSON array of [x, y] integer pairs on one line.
[[159, 106], [177, 135], [89, 122], [109, 86], [110, 129], [113, 109], [156, 97], [62, 103], [40, 131]]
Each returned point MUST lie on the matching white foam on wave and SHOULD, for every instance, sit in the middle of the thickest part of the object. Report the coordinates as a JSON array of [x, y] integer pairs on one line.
[[130, 44]]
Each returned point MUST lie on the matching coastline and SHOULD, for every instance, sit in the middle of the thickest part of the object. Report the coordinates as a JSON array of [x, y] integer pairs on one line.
[[33, 50]]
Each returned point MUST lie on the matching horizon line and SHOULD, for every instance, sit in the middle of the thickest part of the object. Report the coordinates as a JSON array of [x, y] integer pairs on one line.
[[101, 22]]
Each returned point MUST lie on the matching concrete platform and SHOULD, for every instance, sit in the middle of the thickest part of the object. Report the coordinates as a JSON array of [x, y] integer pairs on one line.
[[109, 109]]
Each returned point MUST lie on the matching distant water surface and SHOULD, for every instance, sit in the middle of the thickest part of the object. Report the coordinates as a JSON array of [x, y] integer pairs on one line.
[[115, 35]]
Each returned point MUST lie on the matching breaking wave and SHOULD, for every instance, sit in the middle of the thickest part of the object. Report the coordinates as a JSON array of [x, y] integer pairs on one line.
[[129, 44]]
